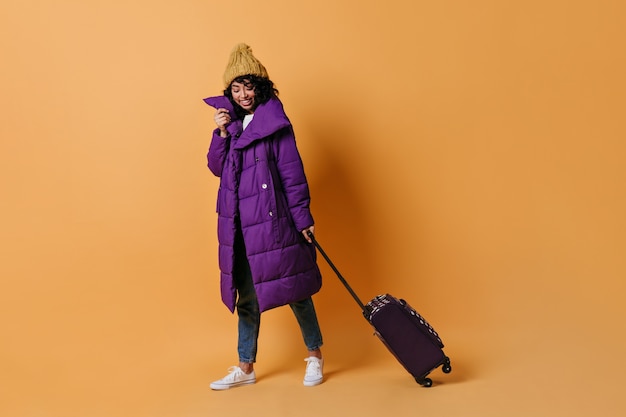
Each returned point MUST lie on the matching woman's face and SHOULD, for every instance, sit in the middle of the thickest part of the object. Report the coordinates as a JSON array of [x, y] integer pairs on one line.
[[243, 94]]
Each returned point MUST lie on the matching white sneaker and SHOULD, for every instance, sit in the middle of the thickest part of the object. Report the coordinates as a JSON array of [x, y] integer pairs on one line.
[[236, 376], [314, 373]]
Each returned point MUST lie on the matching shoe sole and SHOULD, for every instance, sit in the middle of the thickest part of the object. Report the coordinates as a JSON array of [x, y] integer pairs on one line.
[[312, 383], [225, 387]]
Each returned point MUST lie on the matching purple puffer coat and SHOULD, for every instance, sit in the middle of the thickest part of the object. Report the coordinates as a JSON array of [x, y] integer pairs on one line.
[[262, 180]]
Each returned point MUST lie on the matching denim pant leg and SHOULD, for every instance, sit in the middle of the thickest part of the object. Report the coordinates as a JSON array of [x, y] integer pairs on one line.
[[307, 319], [247, 305]]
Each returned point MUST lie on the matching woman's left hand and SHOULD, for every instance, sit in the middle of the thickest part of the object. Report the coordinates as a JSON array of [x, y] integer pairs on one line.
[[305, 233]]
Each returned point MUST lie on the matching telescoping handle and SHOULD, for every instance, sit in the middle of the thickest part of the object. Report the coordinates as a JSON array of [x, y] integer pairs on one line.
[[341, 278]]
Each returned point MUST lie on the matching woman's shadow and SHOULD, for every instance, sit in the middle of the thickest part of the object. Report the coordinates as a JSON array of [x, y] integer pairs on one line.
[[341, 230], [340, 208]]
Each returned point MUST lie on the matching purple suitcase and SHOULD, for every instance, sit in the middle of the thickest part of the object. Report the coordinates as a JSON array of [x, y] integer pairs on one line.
[[407, 335]]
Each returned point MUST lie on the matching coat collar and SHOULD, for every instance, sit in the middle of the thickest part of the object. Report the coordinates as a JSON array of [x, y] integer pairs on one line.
[[269, 118]]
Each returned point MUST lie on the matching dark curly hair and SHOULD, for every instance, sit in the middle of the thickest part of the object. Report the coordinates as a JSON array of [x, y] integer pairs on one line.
[[263, 91]]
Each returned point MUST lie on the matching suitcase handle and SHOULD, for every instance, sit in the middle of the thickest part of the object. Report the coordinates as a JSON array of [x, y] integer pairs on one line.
[[341, 278]]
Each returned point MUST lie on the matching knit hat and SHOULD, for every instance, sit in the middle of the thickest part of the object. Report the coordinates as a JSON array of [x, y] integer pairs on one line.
[[242, 62]]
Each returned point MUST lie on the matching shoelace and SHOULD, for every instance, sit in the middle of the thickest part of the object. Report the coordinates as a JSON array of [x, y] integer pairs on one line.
[[313, 367], [234, 372]]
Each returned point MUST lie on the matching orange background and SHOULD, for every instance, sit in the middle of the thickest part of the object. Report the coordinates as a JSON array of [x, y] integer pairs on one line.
[[467, 156]]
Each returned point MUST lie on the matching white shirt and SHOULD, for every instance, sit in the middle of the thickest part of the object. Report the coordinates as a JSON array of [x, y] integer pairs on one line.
[[246, 120]]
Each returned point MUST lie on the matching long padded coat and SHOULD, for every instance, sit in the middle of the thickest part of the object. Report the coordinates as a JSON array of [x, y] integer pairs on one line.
[[262, 181]]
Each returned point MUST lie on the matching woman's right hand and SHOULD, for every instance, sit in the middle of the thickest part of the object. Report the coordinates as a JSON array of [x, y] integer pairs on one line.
[[222, 118]]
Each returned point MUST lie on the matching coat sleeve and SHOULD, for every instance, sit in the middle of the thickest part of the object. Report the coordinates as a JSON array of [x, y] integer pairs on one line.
[[293, 180], [218, 149]]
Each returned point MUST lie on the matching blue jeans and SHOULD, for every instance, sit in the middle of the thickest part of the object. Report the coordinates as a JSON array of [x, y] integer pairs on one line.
[[250, 316]]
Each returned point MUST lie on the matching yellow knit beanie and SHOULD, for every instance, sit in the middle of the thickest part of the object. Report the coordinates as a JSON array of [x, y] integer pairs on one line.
[[242, 62]]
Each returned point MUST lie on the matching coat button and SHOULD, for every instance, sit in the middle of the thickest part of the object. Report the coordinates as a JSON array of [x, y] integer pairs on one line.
[[271, 213], [264, 186]]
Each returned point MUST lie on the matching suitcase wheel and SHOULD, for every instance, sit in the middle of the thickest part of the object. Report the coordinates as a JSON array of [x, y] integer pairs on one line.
[[425, 382], [446, 368]]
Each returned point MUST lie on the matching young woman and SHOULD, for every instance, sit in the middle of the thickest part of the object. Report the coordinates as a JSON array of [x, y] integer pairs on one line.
[[265, 255]]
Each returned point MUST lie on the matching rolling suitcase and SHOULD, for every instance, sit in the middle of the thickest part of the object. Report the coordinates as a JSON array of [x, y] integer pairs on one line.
[[407, 335]]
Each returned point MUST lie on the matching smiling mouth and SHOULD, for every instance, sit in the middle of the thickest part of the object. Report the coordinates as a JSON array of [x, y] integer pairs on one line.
[[245, 102]]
